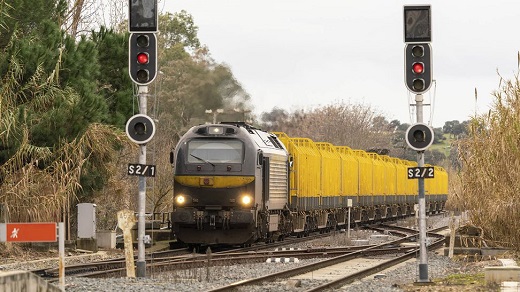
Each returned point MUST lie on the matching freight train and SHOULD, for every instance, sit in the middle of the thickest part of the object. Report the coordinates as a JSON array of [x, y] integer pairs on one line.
[[235, 184]]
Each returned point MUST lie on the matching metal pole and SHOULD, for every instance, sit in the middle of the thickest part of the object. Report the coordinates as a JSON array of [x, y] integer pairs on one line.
[[61, 261], [349, 205], [423, 252], [348, 229], [141, 262]]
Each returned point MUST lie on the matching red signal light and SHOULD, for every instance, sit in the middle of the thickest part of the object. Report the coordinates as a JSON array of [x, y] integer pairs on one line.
[[142, 58], [418, 68]]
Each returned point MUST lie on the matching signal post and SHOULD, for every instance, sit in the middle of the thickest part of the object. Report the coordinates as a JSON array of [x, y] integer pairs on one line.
[[418, 79], [142, 68]]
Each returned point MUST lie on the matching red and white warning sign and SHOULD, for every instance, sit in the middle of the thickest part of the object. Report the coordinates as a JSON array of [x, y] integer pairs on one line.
[[28, 232]]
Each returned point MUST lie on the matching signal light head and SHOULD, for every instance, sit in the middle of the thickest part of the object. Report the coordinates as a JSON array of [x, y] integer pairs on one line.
[[418, 51], [140, 128], [419, 136], [142, 58], [418, 84], [142, 76], [143, 41], [418, 68]]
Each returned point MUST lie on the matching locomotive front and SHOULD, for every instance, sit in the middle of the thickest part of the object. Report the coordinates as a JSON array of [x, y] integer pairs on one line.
[[214, 186]]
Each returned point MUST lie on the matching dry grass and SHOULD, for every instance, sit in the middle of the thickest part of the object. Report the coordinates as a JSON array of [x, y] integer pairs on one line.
[[42, 183], [488, 184]]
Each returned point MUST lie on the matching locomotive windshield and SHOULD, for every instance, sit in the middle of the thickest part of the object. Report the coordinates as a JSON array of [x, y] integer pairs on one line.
[[215, 151]]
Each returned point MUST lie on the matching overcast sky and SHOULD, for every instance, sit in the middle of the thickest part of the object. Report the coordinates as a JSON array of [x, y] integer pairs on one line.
[[298, 54]]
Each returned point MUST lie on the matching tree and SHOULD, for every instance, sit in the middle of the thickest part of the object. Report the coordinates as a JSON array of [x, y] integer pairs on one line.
[[18, 18], [53, 145], [398, 140], [113, 81], [457, 130], [355, 125], [438, 135], [35, 179], [192, 81], [178, 29], [449, 126]]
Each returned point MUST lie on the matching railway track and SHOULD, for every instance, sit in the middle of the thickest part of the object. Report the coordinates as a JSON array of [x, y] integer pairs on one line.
[[403, 255], [180, 259], [174, 259], [97, 266]]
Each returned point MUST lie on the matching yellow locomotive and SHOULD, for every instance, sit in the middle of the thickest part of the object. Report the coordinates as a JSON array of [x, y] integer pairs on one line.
[[235, 184]]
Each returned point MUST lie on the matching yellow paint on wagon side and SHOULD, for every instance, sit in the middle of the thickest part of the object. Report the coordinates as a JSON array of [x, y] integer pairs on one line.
[[349, 171], [360, 173], [365, 173], [330, 170], [401, 176], [378, 175], [306, 169]]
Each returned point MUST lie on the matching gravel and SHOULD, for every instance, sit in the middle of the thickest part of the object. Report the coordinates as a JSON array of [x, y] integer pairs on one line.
[[197, 279]]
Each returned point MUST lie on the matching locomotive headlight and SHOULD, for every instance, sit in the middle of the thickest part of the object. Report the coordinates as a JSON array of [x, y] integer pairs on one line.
[[246, 200], [216, 130], [180, 200]]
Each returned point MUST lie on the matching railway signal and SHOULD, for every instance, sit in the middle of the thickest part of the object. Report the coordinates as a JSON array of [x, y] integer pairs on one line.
[[419, 136], [418, 67], [140, 129], [142, 67], [418, 79], [142, 57]]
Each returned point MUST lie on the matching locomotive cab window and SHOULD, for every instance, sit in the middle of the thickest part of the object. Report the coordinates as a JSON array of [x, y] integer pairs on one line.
[[215, 151]]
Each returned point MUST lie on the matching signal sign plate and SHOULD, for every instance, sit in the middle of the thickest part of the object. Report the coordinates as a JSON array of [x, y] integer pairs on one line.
[[141, 170], [421, 172], [28, 232]]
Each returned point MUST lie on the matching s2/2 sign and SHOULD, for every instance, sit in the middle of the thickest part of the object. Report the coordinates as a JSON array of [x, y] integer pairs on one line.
[[421, 172]]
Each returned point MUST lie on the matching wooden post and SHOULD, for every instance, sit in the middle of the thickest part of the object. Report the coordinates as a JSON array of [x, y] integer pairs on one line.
[[126, 220], [453, 228]]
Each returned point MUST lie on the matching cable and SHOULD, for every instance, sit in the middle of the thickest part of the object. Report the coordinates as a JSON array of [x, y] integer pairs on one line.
[[410, 107], [432, 105]]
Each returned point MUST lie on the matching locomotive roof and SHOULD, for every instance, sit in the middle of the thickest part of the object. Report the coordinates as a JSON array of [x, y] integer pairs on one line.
[[262, 138]]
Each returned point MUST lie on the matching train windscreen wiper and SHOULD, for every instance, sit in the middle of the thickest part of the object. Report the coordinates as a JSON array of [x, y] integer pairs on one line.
[[202, 159]]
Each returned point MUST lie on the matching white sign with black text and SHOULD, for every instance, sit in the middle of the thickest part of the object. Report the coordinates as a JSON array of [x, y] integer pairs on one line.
[[421, 172], [141, 169]]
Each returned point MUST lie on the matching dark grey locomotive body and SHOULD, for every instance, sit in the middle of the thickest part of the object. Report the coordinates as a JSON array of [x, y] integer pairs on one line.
[[230, 186]]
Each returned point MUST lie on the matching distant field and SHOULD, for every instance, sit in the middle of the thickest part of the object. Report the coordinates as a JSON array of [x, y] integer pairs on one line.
[[443, 147]]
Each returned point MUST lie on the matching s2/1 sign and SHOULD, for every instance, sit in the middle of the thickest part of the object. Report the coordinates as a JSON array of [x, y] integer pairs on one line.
[[141, 169]]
